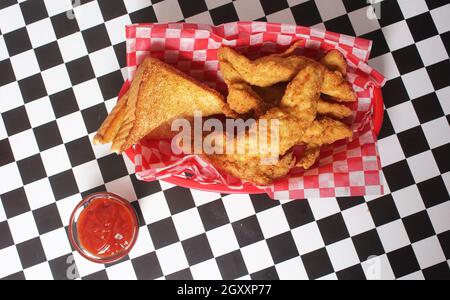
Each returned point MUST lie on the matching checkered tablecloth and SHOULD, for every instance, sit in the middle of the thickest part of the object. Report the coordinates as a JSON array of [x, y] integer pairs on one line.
[[61, 68]]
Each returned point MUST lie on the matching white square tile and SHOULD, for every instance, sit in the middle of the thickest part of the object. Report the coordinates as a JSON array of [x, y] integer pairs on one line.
[[201, 197], [398, 35], [23, 144], [23, 227], [3, 134], [292, 269], [88, 176], [154, 208], [413, 276], [25, 64], [222, 240], [439, 217], [88, 15], [211, 4], [412, 8], [55, 244], [429, 252], [86, 267], [39, 193], [378, 268], [11, 92], [324, 207], [134, 5], [408, 201], [72, 127], [168, 11], [238, 206], [116, 29], [56, 79], [207, 270], [55, 160], [257, 257], [432, 50], [172, 258], [2, 213], [440, 18], [40, 112], [10, 176], [273, 222], [393, 236], [403, 116], [444, 96], [361, 23], [10, 261], [104, 61], [249, 10], [385, 64], [390, 150], [122, 187], [41, 33], [437, 132], [3, 50], [328, 277], [122, 271], [188, 224], [41, 271], [72, 47], [88, 94], [358, 219], [308, 238], [144, 243], [417, 83], [423, 166], [66, 206], [343, 254], [446, 178], [330, 10], [55, 7], [11, 18], [284, 16]]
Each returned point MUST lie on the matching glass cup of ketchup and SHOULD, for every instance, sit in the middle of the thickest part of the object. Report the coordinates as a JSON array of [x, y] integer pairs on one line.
[[103, 227]]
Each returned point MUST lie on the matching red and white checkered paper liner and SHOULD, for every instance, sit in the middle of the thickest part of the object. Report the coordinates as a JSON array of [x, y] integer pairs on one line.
[[346, 168]]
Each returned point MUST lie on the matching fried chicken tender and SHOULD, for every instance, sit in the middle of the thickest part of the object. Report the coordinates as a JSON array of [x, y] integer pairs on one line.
[[335, 61]]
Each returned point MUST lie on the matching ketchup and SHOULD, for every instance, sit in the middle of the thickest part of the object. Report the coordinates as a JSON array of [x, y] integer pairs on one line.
[[106, 227]]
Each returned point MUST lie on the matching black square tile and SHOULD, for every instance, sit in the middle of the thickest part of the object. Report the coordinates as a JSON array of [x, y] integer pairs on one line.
[[407, 59], [446, 40], [6, 3], [213, 215], [6, 239], [355, 272], [32, 88], [432, 4], [145, 15], [80, 151], [17, 41], [48, 56], [247, 231], [440, 74], [80, 70], [441, 157], [147, 267], [121, 54], [390, 13], [47, 136], [179, 199], [403, 261], [422, 27], [349, 202], [33, 11], [14, 277], [224, 14], [7, 73], [433, 191], [94, 116], [6, 155], [31, 169], [368, 244], [111, 84], [64, 103], [100, 275], [428, 108], [16, 120], [197, 249], [112, 9], [31, 253], [437, 272], [271, 7], [47, 218], [444, 240], [418, 226], [386, 129], [352, 5], [63, 26], [379, 46], [15, 203], [163, 233], [144, 189], [232, 265], [282, 247], [333, 229], [306, 14], [266, 274], [63, 185], [383, 210], [63, 266], [413, 141], [298, 213], [262, 202], [191, 8], [97, 189], [317, 264], [112, 167], [340, 24], [398, 176], [180, 275], [138, 211], [394, 92], [96, 38]]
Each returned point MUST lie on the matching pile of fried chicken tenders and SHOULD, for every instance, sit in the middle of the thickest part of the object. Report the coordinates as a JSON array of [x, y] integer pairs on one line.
[[307, 98]]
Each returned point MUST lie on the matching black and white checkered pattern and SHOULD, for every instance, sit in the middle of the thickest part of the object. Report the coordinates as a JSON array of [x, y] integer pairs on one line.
[[59, 77]]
